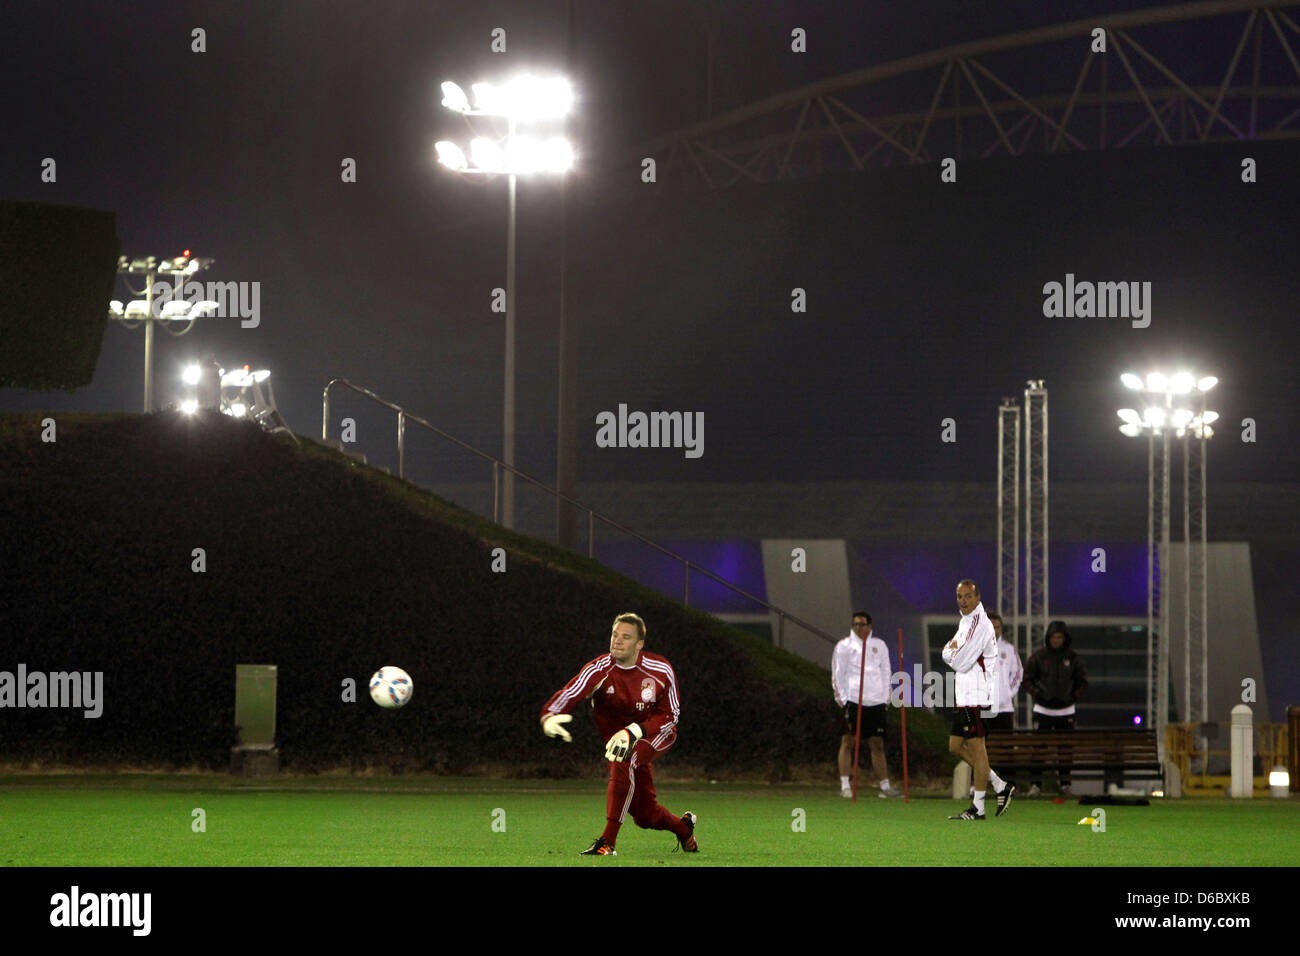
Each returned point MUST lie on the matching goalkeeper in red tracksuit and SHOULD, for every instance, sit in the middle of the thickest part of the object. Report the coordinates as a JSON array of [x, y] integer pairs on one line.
[[634, 701]]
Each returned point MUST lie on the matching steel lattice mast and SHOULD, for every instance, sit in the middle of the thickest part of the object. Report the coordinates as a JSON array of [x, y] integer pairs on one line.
[[1008, 585], [1036, 510]]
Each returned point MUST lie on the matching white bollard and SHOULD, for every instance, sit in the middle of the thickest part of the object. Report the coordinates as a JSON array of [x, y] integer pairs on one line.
[[1243, 753], [961, 781]]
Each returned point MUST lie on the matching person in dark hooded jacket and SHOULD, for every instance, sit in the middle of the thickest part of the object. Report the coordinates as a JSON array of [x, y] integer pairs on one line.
[[1055, 677]]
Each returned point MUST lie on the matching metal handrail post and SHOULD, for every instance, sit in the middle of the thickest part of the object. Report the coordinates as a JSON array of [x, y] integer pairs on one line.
[[496, 492], [325, 415], [401, 444]]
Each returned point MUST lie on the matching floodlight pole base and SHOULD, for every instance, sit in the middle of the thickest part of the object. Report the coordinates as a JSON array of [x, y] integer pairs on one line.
[[255, 761]]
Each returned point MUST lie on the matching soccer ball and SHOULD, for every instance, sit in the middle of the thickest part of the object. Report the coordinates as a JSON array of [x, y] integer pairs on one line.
[[391, 687]]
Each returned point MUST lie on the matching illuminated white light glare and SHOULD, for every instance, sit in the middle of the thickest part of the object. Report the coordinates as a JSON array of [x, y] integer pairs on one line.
[[190, 376], [1131, 430], [238, 409], [557, 155], [115, 307], [1279, 782], [1156, 382], [454, 98], [175, 310], [525, 154], [1210, 417], [204, 307], [236, 378], [1130, 416], [190, 406], [1182, 383], [1131, 381], [486, 154], [1207, 383], [1154, 415], [137, 309], [261, 375], [451, 155], [1181, 417], [487, 98]]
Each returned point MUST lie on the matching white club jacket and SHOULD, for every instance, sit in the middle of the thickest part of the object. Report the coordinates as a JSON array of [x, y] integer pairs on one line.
[[846, 665], [973, 654]]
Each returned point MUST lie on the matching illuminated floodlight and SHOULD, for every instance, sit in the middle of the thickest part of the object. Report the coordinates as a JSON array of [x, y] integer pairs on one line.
[[137, 309], [523, 98], [238, 409], [1130, 430], [486, 154], [115, 307], [204, 307], [1207, 383], [487, 99], [1132, 381], [190, 406], [190, 376], [1130, 416], [1157, 382], [1182, 383], [261, 375], [1154, 416], [525, 154], [236, 378], [175, 310], [454, 98], [1209, 418], [528, 98], [1182, 417], [451, 155], [1279, 781]]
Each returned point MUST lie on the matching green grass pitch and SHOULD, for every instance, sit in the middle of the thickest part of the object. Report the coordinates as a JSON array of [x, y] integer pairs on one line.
[[147, 820]]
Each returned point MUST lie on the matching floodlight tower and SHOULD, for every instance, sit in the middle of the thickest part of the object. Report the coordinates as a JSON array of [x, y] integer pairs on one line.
[[1008, 588], [523, 99], [1036, 531], [1166, 414], [142, 310]]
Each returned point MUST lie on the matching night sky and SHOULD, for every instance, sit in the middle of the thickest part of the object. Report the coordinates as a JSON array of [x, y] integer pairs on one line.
[[924, 299]]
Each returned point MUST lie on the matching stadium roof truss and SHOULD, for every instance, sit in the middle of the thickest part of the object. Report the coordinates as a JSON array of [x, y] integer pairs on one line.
[[1224, 70]]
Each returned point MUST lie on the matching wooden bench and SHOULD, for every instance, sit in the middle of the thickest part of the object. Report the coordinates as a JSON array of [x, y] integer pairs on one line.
[[1109, 755]]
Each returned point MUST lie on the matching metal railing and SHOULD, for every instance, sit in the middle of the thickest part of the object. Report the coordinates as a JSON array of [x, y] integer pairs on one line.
[[403, 417]]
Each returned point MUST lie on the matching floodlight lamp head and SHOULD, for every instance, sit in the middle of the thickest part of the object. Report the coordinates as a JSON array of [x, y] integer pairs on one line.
[[454, 98], [451, 155]]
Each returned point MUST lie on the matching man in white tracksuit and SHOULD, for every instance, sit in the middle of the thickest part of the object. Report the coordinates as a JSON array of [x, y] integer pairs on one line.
[[972, 653], [847, 665], [1001, 716]]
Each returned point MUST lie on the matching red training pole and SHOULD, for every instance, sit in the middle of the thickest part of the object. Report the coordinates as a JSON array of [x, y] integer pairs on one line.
[[902, 670], [857, 734]]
